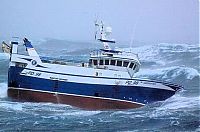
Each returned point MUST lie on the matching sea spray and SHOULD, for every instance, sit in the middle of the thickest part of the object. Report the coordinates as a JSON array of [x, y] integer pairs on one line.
[[169, 62], [3, 90], [168, 73]]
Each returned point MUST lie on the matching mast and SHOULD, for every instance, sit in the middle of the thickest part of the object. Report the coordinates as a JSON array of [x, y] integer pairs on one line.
[[104, 34]]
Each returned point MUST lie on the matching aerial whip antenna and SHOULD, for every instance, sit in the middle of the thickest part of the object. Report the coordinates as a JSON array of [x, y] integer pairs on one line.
[[134, 29]]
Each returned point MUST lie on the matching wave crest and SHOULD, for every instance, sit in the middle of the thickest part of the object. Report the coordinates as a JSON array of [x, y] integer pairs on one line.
[[169, 73], [167, 54]]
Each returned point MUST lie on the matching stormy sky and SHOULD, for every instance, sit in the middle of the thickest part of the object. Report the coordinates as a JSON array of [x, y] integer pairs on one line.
[[150, 21]]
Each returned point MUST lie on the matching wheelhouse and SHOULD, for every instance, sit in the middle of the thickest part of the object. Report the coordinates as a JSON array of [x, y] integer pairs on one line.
[[114, 60]]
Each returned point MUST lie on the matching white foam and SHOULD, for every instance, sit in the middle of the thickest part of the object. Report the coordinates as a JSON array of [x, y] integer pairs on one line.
[[11, 105], [4, 55], [178, 102], [50, 110], [169, 73], [174, 105], [3, 90], [81, 113], [154, 53]]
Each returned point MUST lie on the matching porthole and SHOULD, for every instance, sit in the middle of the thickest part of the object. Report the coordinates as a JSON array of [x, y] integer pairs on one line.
[[34, 62]]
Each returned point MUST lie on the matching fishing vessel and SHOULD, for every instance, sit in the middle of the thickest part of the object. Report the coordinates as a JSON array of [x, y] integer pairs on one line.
[[106, 82]]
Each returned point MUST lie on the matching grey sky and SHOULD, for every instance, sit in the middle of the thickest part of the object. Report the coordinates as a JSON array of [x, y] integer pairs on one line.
[[174, 21]]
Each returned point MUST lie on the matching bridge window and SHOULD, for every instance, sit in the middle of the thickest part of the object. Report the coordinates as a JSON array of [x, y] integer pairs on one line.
[[119, 63], [95, 62], [101, 62], [106, 62], [131, 65], [125, 63], [134, 67], [90, 61], [112, 62]]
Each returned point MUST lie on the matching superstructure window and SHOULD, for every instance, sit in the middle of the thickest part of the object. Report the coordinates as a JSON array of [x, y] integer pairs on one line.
[[106, 62], [101, 62], [134, 67], [95, 62], [125, 63], [131, 65], [119, 63], [112, 62], [90, 61]]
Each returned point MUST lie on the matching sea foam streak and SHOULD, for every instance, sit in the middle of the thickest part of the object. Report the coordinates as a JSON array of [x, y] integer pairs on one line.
[[3, 90], [11, 106]]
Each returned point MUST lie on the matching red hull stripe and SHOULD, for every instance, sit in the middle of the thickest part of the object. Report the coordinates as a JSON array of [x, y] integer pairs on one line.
[[81, 101]]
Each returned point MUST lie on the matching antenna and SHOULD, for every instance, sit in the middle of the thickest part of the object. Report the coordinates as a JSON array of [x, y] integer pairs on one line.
[[96, 26], [132, 36], [102, 34], [134, 28], [133, 32]]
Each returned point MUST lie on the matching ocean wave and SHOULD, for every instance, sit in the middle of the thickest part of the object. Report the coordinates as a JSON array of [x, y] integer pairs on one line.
[[80, 113], [4, 56], [169, 108], [3, 90], [169, 73], [49, 110], [176, 107], [33, 108], [173, 47], [164, 47], [166, 53], [179, 102], [10, 106]]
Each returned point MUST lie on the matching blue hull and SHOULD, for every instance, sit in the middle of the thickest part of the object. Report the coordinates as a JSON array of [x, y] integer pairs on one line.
[[136, 94]]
